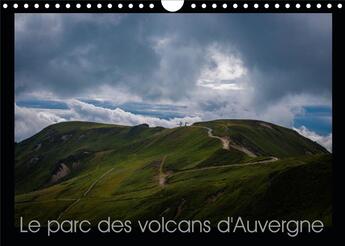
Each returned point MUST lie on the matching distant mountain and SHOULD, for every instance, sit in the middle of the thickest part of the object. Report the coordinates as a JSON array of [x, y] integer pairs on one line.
[[209, 170]]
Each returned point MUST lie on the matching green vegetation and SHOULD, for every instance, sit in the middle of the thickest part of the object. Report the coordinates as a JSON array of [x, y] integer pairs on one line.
[[118, 171]]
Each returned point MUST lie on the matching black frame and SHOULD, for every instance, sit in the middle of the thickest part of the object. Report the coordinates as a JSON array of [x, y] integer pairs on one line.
[[11, 235]]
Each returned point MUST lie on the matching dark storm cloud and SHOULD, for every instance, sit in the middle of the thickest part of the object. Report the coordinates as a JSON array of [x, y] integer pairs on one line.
[[122, 69], [67, 55], [291, 53]]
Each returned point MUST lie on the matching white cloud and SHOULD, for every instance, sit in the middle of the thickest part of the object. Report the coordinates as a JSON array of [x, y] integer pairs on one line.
[[89, 112], [30, 121], [325, 141], [241, 104], [222, 71]]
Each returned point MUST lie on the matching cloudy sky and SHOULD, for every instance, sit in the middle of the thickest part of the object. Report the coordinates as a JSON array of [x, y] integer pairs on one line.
[[161, 69]]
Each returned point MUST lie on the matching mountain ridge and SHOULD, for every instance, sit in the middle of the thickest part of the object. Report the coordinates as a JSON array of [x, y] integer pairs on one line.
[[65, 159]]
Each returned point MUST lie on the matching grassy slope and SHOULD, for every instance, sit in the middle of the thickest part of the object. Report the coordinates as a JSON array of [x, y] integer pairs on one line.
[[294, 187], [265, 138]]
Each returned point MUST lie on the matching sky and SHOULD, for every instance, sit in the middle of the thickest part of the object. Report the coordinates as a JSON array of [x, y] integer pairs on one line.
[[161, 69]]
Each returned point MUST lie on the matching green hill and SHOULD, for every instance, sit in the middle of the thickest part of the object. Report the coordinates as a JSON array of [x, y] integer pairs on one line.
[[210, 170]]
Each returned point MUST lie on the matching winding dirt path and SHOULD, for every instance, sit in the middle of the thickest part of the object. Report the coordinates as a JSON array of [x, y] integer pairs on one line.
[[272, 159], [227, 143], [162, 176], [84, 194]]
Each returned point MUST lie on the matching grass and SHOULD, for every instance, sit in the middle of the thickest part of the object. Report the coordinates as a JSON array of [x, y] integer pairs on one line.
[[265, 138], [296, 186]]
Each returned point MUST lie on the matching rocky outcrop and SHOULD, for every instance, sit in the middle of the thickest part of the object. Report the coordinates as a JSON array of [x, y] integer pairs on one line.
[[61, 172]]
